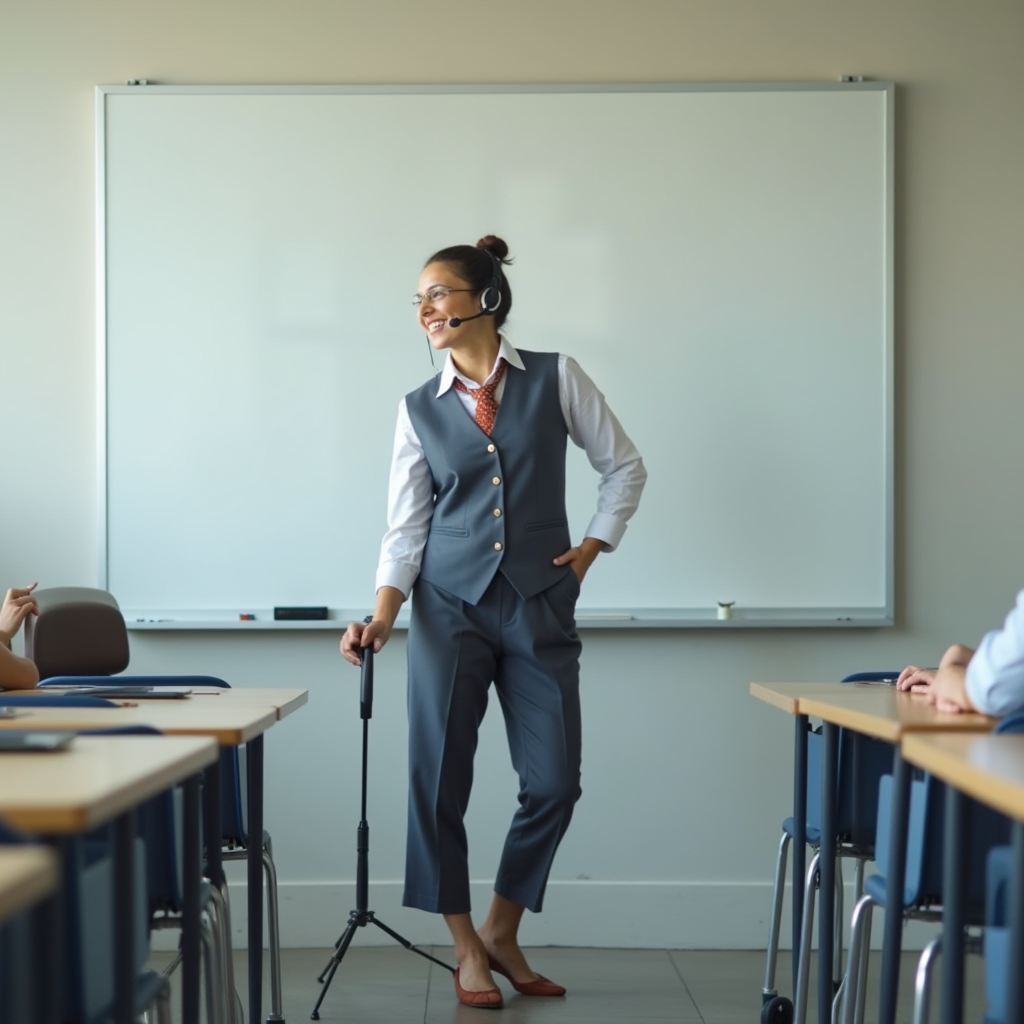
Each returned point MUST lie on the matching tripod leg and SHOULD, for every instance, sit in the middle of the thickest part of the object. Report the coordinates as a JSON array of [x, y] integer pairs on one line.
[[327, 966], [408, 945], [339, 953]]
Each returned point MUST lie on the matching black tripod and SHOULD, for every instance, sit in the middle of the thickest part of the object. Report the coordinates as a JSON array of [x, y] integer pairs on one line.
[[362, 915]]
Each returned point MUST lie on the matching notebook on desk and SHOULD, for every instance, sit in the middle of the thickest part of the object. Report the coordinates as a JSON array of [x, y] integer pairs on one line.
[[133, 692], [33, 742]]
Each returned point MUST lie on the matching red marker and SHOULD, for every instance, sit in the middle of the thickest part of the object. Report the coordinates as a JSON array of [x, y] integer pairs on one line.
[[247, 618]]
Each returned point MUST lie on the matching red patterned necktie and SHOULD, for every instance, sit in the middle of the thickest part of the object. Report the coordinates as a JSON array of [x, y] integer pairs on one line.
[[486, 406]]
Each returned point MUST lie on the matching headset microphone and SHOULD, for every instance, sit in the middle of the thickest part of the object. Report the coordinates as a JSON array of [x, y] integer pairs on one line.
[[457, 321]]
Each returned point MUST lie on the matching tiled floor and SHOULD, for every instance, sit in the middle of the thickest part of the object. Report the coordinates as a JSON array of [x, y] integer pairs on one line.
[[392, 986]]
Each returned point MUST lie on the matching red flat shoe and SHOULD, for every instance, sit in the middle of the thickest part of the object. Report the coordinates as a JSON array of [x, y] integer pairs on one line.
[[540, 986], [489, 999]]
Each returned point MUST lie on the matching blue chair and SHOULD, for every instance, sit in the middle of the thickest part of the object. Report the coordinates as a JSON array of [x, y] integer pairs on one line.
[[862, 762], [79, 637], [921, 895]]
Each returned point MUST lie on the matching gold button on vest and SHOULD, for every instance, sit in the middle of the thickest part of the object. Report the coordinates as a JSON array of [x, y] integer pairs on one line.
[[491, 448], [497, 512], [497, 546], [496, 481]]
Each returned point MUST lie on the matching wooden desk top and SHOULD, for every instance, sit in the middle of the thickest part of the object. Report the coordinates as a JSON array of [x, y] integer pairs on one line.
[[787, 696], [887, 713], [988, 768], [95, 779], [230, 725], [28, 874], [284, 701], [875, 710]]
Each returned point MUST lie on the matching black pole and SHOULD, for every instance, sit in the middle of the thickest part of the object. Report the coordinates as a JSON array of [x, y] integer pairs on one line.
[[362, 915]]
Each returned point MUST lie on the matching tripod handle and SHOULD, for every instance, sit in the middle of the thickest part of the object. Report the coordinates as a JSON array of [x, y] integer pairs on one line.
[[366, 683]]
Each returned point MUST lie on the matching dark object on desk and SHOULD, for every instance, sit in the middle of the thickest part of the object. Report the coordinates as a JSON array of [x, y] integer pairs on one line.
[[882, 678], [154, 692], [311, 613], [34, 741], [362, 915], [78, 630], [34, 699]]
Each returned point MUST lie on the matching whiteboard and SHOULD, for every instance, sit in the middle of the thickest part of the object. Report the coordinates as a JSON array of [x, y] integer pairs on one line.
[[718, 259]]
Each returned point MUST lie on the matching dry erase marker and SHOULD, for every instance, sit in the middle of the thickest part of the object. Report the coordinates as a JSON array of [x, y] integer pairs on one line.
[[247, 617]]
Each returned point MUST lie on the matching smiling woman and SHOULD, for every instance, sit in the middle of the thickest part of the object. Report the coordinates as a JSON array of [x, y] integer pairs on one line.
[[478, 536]]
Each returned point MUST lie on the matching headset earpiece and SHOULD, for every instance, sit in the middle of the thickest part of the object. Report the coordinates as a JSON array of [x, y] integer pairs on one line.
[[490, 297]]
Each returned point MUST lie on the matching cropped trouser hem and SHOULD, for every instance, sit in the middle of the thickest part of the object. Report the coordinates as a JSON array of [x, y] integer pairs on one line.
[[531, 899], [433, 905]]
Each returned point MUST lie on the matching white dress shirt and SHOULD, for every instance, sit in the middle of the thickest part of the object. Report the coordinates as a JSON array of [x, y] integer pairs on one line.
[[591, 425], [995, 676]]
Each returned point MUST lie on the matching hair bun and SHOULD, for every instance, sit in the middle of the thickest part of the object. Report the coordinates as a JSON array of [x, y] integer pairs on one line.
[[495, 246]]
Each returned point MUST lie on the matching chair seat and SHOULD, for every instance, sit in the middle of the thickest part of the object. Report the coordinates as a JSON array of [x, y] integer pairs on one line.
[[812, 834]]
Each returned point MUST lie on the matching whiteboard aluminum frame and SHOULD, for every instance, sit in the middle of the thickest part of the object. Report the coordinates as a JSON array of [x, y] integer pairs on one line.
[[639, 618]]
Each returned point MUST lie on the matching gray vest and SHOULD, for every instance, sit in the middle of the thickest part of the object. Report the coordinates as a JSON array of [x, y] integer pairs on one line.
[[499, 501]]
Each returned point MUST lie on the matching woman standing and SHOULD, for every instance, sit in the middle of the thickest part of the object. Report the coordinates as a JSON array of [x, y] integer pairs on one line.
[[478, 534]]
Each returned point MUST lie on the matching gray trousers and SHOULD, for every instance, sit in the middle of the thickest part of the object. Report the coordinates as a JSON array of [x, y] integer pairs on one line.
[[530, 651]]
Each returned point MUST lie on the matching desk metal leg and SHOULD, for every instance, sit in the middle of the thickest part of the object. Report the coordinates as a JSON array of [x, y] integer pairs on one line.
[[954, 865], [799, 837], [124, 918], [190, 939], [827, 868], [48, 937], [892, 935], [254, 774], [213, 822], [1015, 995]]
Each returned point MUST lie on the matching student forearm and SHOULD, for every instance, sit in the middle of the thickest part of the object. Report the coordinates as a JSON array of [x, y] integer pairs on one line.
[[16, 673]]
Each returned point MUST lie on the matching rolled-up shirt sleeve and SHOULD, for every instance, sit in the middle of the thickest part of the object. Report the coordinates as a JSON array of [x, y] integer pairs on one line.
[[594, 428], [410, 507], [995, 676]]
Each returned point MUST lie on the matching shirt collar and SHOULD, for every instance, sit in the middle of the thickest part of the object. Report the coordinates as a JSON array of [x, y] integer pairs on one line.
[[505, 351]]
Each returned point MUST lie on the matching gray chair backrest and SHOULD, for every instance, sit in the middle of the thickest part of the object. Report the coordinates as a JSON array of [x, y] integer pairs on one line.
[[79, 632]]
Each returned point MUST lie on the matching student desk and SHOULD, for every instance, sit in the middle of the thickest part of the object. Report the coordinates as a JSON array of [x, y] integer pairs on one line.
[[28, 875], [786, 697], [882, 712], [283, 700], [102, 779], [990, 769], [231, 724]]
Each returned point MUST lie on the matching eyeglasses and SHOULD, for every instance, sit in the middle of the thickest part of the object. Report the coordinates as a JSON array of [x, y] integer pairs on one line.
[[438, 292]]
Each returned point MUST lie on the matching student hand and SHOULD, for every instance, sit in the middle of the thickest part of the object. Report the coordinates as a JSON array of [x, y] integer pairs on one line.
[[359, 635], [18, 605], [582, 558], [913, 676]]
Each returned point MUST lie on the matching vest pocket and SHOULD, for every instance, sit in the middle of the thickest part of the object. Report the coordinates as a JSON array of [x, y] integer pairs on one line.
[[450, 531], [548, 524]]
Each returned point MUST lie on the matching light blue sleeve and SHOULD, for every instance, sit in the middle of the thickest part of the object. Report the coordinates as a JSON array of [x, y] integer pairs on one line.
[[995, 676]]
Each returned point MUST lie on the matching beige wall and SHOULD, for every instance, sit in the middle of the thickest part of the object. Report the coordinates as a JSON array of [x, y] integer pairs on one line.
[[675, 748]]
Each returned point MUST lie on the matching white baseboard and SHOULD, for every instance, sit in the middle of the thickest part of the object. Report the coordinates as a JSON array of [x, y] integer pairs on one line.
[[616, 915]]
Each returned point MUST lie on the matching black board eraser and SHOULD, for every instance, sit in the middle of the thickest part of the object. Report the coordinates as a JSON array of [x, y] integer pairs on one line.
[[305, 614]]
